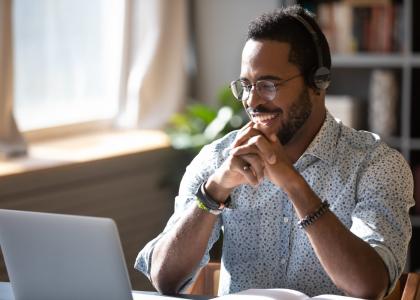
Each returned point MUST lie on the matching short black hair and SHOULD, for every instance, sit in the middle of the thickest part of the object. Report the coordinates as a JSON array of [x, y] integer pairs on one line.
[[281, 25]]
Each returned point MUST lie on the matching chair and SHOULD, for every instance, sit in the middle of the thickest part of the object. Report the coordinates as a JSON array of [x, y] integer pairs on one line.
[[407, 288], [207, 283]]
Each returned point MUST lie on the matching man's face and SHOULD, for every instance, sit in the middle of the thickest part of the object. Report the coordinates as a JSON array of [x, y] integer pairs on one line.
[[286, 114]]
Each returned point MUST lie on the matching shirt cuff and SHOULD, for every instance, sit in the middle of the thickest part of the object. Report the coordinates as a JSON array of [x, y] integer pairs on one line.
[[388, 258]]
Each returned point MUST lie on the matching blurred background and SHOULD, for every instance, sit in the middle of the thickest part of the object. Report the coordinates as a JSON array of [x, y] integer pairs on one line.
[[103, 103]]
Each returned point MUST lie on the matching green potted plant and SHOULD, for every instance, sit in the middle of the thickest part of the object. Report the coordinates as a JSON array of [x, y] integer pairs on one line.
[[201, 124]]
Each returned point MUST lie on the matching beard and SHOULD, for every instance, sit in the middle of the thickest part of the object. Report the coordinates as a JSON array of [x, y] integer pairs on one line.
[[299, 112]]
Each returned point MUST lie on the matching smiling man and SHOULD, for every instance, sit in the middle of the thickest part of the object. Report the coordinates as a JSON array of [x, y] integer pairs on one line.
[[304, 202]]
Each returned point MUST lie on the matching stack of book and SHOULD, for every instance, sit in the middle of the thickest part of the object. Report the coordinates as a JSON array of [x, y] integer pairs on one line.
[[362, 25]]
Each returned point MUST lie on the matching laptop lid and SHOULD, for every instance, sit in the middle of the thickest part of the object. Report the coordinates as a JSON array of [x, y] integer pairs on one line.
[[55, 256]]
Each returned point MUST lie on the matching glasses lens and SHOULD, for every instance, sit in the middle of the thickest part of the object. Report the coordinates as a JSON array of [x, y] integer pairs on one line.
[[266, 89], [238, 89]]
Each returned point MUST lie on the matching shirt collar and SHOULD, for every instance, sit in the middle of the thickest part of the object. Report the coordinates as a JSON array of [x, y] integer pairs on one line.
[[323, 146]]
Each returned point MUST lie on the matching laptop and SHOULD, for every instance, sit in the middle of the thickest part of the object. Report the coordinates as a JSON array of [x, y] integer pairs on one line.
[[55, 256]]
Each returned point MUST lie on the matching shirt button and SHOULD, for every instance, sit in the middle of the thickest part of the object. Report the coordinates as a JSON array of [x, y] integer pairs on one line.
[[285, 219], [282, 261]]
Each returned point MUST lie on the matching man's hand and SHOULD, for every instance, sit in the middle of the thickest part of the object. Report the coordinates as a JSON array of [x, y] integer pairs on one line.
[[237, 170], [276, 164]]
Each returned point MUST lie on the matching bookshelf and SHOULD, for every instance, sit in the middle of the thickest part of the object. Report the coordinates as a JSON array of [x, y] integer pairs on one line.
[[351, 74]]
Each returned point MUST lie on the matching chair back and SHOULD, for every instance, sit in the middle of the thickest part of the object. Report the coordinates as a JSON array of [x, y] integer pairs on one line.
[[407, 288], [207, 282]]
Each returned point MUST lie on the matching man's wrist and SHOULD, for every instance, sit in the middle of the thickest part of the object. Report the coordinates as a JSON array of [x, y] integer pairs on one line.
[[206, 202], [302, 196], [216, 191]]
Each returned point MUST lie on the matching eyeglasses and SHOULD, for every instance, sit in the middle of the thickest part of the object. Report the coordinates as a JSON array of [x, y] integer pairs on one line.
[[266, 89]]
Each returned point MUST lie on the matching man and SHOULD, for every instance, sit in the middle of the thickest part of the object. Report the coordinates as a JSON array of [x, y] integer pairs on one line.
[[305, 202]]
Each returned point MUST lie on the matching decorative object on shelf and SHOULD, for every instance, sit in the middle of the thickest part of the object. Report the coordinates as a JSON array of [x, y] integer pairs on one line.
[[383, 96], [345, 108]]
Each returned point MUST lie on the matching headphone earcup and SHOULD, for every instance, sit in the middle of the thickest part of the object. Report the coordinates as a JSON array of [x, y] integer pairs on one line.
[[321, 78]]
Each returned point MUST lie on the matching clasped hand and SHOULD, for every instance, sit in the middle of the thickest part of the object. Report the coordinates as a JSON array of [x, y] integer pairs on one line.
[[254, 156]]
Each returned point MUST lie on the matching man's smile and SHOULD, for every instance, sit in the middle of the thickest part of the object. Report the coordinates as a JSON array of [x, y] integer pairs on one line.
[[263, 116]]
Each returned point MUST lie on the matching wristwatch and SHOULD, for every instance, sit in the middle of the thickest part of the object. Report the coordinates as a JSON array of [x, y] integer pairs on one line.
[[207, 203]]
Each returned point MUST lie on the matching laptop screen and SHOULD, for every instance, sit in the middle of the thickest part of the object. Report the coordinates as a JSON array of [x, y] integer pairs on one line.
[[55, 256]]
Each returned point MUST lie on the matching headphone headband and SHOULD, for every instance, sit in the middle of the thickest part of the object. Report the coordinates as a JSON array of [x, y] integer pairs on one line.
[[321, 77]]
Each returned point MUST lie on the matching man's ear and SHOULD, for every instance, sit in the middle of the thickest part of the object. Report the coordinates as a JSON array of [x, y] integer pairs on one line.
[[317, 91], [314, 92]]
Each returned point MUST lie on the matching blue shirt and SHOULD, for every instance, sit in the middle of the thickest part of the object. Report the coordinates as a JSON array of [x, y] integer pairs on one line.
[[369, 187]]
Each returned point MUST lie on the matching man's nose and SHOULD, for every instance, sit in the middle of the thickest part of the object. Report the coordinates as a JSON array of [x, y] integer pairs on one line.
[[254, 98]]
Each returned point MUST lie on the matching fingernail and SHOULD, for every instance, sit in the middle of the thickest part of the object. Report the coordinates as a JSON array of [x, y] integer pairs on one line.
[[272, 159]]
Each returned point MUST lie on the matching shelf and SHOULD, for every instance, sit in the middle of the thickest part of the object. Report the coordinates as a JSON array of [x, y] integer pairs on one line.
[[394, 142], [415, 144], [369, 60], [415, 220], [415, 60]]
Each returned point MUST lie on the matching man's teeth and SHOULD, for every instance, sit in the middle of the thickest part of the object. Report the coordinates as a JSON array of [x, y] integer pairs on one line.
[[263, 117]]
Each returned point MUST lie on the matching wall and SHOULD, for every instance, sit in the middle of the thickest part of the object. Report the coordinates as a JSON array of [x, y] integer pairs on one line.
[[220, 28], [133, 190]]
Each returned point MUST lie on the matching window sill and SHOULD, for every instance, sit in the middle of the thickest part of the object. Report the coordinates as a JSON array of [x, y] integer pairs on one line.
[[84, 149]]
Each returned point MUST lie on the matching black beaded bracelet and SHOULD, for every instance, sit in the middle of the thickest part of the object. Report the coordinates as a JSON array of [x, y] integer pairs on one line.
[[310, 219]]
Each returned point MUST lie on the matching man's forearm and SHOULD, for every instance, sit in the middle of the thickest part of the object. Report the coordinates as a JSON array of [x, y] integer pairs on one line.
[[352, 264], [179, 252]]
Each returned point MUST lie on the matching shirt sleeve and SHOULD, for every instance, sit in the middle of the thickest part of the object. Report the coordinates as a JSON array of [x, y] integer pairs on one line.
[[381, 217], [202, 166]]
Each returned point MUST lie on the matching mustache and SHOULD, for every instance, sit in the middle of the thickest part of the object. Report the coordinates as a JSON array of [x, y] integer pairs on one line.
[[262, 109]]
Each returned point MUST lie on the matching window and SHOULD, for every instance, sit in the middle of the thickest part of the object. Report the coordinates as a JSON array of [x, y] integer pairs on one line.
[[67, 61]]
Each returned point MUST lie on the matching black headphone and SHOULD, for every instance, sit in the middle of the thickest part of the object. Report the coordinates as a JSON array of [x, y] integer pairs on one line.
[[321, 76]]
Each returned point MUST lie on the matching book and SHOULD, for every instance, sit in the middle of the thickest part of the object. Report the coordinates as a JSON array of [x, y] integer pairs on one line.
[[277, 294], [362, 25]]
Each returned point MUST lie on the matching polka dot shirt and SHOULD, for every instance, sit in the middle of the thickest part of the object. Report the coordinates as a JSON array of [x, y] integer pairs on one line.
[[369, 187]]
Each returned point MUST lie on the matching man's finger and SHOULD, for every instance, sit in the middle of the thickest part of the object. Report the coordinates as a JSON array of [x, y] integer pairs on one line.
[[243, 136], [257, 145], [250, 166]]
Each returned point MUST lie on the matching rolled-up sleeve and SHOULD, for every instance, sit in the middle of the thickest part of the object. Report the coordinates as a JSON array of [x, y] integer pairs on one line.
[[384, 197]]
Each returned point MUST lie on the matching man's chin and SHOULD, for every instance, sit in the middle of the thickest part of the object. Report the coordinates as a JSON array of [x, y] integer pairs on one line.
[[266, 130]]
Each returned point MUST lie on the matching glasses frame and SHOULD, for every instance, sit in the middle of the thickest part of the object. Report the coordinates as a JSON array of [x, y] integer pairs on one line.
[[249, 87]]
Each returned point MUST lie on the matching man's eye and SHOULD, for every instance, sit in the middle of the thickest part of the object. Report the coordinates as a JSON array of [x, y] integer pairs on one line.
[[267, 85]]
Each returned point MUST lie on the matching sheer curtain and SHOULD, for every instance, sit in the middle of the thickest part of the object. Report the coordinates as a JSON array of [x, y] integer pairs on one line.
[[153, 82], [11, 141], [67, 58]]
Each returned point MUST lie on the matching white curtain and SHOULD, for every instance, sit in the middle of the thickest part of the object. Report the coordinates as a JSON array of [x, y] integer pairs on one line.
[[153, 81], [11, 141]]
